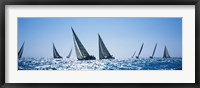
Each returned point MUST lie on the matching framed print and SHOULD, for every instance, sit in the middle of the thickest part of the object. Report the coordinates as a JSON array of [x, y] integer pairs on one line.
[[100, 43]]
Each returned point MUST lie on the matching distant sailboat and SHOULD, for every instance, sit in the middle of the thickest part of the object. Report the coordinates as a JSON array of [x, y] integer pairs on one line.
[[133, 55], [55, 52], [69, 53], [103, 51], [21, 51], [140, 51], [153, 51], [166, 53], [81, 52]]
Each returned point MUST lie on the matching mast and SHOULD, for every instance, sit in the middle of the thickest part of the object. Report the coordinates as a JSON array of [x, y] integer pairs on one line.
[[81, 52], [140, 50], [133, 54], [69, 53], [103, 51], [153, 51], [21, 51], [55, 52], [166, 53]]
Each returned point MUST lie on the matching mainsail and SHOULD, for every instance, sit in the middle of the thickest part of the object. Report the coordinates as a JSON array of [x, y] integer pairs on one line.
[[81, 52], [140, 51], [153, 51], [69, 53], [166, 54], [55, 52], [21, 51], [103, 51]]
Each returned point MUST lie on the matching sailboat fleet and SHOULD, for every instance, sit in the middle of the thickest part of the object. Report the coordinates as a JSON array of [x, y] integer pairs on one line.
[[82, 54]]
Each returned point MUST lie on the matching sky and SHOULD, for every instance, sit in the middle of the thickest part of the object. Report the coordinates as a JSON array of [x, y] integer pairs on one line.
[[122, 36]]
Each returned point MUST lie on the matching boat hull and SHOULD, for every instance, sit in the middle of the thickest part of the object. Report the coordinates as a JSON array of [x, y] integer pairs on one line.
[[108, 58], [57, 59], [88, 58]]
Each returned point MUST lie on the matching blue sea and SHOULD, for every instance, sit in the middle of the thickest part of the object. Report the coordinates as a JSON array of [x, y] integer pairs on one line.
[[29, 63]]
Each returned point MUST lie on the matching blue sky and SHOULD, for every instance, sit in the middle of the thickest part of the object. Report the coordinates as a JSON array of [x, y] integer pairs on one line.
[[122, 36]]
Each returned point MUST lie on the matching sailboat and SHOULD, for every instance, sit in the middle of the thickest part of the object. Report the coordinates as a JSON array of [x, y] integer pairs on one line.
[[69, 53], [55, 52], [81, 52], [166, 53], [103, 51], [133, 55], [21, 51], [140, 51], [153, 51]]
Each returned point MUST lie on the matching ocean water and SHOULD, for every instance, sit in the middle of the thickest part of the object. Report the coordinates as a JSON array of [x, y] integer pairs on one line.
[[105, 64]]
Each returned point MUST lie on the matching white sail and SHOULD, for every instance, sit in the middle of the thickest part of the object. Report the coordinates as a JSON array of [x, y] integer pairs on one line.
[[81, 52], [166, 53], [68, 56], [103, 51], [153, 51], [140, 51], [21, 51], [55, 52]]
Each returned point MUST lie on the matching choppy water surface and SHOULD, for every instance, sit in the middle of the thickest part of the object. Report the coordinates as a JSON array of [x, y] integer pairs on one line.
[[114, 64]]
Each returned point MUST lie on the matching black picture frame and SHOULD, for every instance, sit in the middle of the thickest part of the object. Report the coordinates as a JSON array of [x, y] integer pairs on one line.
[[3, 3]]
